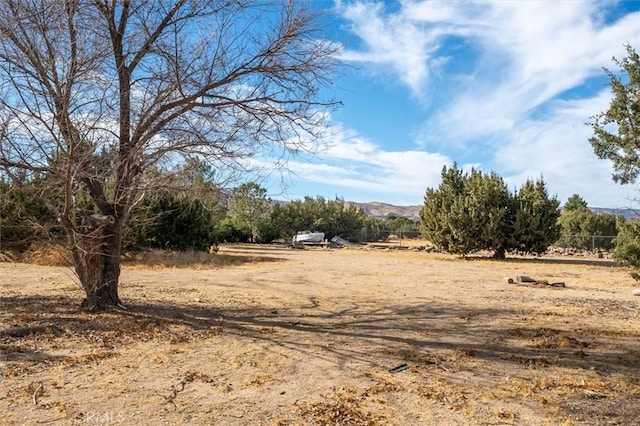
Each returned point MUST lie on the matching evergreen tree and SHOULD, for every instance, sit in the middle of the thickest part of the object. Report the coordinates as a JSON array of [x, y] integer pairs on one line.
[[438, 209], [476, 211], [172, 222], [578, 226], [250, 207], [575, 202], [491, 212], [627, 246], [622, 145], [181, 215], [536, 222], [616, 137]]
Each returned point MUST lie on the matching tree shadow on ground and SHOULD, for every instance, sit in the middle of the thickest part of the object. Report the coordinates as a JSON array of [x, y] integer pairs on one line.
[[360, 332], [457, 341]]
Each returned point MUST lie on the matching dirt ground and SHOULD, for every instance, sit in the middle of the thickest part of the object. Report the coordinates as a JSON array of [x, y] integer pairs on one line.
[[275, 336]]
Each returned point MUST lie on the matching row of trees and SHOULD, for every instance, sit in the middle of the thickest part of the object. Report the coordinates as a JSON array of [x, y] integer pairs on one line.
[[583, 229], [482, 214], [193, 220], [476, 211]]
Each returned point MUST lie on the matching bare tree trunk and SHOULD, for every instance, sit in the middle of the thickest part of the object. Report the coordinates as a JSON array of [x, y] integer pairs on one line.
[[96, 256]]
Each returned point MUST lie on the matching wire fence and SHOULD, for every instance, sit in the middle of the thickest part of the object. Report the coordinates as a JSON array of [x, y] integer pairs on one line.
[[574, 241], [389, 235], [587, 242]]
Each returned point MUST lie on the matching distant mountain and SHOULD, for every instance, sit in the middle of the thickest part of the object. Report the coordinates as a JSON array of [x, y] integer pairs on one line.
[[382, 210], [626, 213], [377, 209]]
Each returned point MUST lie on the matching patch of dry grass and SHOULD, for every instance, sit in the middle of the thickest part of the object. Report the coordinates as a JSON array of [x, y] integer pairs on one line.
[[173, 259], [53, 254], [46, 254], [344, 407]]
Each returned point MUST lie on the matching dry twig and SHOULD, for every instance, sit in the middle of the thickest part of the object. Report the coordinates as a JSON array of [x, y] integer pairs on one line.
[[177, 388], [35, 393]]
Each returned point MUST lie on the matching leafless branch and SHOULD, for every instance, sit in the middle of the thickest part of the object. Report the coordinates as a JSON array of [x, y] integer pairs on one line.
[[98, 96]]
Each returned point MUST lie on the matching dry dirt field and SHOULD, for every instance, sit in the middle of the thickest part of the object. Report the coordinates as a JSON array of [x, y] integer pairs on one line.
[[274, 336]]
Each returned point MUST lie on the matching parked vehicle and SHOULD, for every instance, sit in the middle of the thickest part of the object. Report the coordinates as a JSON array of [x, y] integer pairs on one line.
[[307, 237]]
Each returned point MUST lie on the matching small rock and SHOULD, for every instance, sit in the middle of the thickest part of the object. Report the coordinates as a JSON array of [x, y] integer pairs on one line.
[[508, 280], [636, 292], [525, 279]]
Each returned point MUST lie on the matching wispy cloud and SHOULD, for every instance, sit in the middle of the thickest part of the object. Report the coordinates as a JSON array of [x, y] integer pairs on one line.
[[366, 171], [556, 147], [531, 52], [392, 41], [504, 99]]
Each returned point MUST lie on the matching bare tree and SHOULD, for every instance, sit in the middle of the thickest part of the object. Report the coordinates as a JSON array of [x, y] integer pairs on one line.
[[98, 95]]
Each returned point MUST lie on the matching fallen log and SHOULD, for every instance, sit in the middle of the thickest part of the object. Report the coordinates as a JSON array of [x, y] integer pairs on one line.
[[524, 280]]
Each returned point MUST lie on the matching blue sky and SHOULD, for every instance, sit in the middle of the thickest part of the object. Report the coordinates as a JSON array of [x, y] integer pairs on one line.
[[498, 85]]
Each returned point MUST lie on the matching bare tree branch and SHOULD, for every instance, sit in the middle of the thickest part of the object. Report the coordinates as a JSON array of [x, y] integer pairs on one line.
[[97, 96]]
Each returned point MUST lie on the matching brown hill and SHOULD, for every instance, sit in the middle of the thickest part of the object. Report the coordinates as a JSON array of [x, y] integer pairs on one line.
[[378, 209]]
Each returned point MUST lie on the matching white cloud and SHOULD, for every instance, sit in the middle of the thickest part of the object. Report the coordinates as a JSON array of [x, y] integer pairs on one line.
[[364, 171], [557, 148], [505, 106], [531, 52], [392, 41]]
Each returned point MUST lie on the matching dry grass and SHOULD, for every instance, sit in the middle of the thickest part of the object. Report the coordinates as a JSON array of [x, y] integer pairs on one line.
[[53, 254], [281, 337], [343, 407], [45, 254]]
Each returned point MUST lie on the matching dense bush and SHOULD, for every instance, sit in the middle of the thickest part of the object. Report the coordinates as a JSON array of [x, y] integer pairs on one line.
[[264, 232], [580, 227], [476, 211], [376, 228], [536, 218], [171, 222], [372, 230], [23, 218], [230, 230], [627, 245]]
